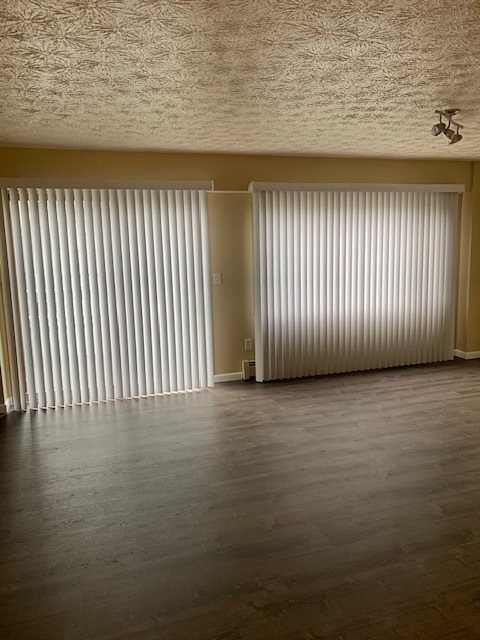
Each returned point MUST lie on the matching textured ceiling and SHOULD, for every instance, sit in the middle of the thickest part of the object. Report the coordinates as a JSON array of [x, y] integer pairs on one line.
[[332, 77]]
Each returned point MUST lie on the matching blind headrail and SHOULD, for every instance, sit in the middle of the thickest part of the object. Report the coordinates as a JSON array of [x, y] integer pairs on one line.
[[341, 186], [66, 183]]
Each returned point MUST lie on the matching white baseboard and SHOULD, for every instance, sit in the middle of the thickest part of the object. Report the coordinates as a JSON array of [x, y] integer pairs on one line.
[[6, 406], [228, 377], [466, 355]]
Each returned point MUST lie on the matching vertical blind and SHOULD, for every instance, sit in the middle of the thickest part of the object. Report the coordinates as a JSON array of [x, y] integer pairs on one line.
[[348, 281], [110, 293]]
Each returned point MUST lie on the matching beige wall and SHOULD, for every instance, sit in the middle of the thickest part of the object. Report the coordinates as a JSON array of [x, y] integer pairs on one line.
[[230, 223], [472, 280], [230, 172], [230, 216]]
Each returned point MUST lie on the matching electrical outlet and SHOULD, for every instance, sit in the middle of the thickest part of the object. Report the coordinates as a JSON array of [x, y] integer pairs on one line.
[[248, 344], [217, 278]]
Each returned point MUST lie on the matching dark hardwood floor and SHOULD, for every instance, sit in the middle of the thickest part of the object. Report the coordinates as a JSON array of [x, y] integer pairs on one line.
[[343, 507]]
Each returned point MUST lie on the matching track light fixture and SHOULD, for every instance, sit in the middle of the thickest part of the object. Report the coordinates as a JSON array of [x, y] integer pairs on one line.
[[439, 127], [446, 129]]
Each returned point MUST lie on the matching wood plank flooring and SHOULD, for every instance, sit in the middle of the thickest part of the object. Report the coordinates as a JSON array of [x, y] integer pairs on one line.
[[343, 507]]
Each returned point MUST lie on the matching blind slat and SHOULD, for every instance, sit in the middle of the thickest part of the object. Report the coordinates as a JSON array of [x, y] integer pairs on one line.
[[38, 398], [12, 315]]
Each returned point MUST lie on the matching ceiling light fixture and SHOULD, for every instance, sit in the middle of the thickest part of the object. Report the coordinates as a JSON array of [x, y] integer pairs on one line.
[[441, 127]]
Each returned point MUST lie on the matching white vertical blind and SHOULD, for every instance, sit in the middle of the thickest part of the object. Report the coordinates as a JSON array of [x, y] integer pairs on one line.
[[110, 293], [12, 317], [348, 281]]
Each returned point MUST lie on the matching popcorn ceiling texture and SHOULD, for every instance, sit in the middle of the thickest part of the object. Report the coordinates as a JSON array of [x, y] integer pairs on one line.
[[334, 77]]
